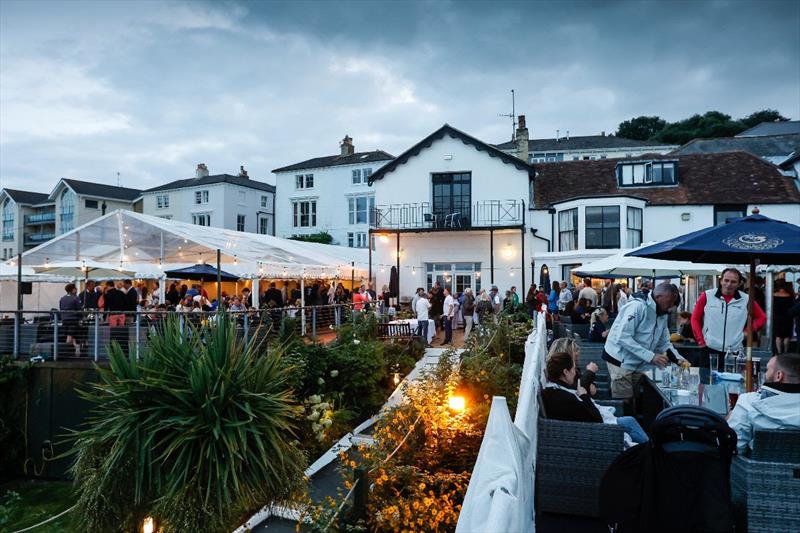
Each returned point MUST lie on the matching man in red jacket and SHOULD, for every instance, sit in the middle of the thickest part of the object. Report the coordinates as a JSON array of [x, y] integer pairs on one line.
[[720, 317]]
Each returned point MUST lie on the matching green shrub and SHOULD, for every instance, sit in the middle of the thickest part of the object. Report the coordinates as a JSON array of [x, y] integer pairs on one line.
[[13, 396], [196, 434]]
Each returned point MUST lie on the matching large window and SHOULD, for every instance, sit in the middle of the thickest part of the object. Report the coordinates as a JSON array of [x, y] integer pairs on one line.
[[568, 230], [568, 276], [67, 211], [602, 227], [644, 173], [361, 175], [240, 222], [452, 198], [304, 213], [304, 181], [725, 213], [8, 220], [201, 219], [162, 201], [263, 225], [360, 209], [455, 276], [634, 227], [201, 197]]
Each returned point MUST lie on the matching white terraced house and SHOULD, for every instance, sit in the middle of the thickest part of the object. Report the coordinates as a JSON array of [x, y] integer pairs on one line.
[[330, 194]]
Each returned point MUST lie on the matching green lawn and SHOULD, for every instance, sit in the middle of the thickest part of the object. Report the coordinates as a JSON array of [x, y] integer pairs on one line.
[[39, 500]]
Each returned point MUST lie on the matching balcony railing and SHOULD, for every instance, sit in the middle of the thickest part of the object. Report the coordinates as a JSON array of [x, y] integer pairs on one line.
[[38, 238], [42, 218], [424, 215]]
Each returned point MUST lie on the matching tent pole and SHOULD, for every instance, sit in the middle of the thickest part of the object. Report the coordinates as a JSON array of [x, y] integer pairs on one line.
[[748, 372], [18, 321], [219, 280], [352, 277], [303, 304], [769, 288]]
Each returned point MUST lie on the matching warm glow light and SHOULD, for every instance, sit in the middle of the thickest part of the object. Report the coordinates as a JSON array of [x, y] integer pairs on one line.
[[149, 525], [457, 404], [396, 378], [413, 271], [508, 252], [384, 238], [478, 274]]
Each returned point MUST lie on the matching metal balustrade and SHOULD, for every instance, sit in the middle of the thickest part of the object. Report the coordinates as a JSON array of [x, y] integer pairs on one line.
[[44, 335], [426, 215], [42, 218]]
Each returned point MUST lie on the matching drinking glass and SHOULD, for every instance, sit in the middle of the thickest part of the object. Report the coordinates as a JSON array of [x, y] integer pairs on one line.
[[693, 383], [666, 378]]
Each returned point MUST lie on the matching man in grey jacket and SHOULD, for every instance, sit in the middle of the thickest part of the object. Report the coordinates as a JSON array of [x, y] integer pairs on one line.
[[639, 339]]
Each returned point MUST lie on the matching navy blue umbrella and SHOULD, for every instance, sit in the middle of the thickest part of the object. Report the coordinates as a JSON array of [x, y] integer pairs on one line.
[[753, 239], [742, 240], [201, 272]]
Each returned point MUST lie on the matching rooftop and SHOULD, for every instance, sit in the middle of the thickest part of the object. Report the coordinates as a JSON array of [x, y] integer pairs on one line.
[[27, 197], [703, 179], [101, 190], [773, 128], [762, 146], [337, 160], [585, 142], [211, 180]]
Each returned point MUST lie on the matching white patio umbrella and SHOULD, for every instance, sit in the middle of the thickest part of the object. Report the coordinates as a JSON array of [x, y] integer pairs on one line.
[[622, 266]]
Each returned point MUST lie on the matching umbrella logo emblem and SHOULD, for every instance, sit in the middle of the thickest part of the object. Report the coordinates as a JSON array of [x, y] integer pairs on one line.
[[752, 241]]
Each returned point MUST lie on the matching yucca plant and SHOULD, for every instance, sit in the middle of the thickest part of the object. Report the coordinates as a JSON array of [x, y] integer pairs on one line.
[[196, 433]]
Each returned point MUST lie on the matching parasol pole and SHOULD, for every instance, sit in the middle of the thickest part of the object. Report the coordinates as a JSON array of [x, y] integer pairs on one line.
[[219, 280], [748, 371]]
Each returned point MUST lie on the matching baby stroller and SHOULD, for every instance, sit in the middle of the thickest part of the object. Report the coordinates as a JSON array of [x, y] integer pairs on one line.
[[678, 482]]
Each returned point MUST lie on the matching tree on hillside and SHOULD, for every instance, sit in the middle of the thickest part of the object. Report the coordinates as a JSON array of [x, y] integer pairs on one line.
[[640, 128], [709, 125], [765, 115]]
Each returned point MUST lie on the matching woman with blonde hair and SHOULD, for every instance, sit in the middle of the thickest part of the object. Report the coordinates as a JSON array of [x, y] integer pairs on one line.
[[571, 346], [597, 327]]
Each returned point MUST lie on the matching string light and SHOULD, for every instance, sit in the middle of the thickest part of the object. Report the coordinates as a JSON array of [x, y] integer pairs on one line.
[[413, 271]]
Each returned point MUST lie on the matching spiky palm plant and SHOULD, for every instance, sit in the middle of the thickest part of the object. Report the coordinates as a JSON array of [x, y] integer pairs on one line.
[[197, 432]]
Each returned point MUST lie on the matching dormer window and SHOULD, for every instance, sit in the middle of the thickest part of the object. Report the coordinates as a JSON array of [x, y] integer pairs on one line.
[[647, 173]]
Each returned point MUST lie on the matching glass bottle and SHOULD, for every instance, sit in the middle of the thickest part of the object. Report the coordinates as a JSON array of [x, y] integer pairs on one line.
[[730, 361]]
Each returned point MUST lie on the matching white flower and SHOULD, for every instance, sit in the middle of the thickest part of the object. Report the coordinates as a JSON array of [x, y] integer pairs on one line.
[[320, 381], [321, 437], [334, 373], [323, 406], [331, 327], [316, 427], [327, 422], [356, 341], [314, 399], [314, 415]]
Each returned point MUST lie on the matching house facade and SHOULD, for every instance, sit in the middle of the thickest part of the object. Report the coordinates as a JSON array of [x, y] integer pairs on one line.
[[459, 211], [329, 194], [451, 209], [78, 202], [28, 220], [587, 210], [220, 200]]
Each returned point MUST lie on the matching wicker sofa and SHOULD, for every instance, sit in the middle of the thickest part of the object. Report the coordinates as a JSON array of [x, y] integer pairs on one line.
[[571, 459], [766, 486]]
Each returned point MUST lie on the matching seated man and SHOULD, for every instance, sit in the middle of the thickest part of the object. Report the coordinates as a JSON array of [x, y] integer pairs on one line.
[[777, 406]]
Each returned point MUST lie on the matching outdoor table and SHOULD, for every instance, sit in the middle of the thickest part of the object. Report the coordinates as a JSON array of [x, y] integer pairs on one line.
[[413, 322], [717, 395]]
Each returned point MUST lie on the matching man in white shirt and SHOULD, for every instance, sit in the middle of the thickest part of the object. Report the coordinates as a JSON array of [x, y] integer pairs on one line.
[[564, 296], [449, 310], [422, 306], [415, 299], [775, 406], [588, 293], [497, 303]]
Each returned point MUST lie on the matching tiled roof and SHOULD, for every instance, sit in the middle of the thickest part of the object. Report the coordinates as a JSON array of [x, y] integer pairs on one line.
[[450, 131], [586, 142], [337, 160], [101, 190], [27, 197], [702, 179], [772, 128], [211, 180], [764, 146]]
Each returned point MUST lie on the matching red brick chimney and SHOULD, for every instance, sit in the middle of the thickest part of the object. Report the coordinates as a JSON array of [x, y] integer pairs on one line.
[[202, 171]]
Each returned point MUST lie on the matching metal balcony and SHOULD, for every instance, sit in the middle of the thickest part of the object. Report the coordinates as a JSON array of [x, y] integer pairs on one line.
[[423, 216], [42, 218], [38, 238]]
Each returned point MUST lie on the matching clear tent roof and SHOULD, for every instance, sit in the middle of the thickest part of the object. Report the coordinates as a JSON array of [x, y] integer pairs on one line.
[[128, 238]]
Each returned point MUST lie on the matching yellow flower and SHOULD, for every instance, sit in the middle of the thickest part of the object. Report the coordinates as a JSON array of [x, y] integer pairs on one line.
[[422, 486]]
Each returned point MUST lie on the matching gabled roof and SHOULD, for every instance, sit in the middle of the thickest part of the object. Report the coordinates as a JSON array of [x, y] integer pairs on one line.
[[98, 190], [211, 180], [27, 197], [585, 142], [337, 160], [762, 146], [450, 131], [703, 179], [772, 128]]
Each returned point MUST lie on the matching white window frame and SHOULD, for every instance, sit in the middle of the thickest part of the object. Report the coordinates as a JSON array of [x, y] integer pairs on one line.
[[201, 219], [297, 214], [162, 201], [353, 210], [241, 222], [201, 197], [264, 200], [356, 176], [263, 225]]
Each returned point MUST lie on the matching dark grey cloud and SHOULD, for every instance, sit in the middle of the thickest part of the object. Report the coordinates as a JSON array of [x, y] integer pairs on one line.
[[148, 89]]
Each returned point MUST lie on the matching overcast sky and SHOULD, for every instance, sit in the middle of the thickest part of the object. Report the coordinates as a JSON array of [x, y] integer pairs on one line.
[[149, 89]]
